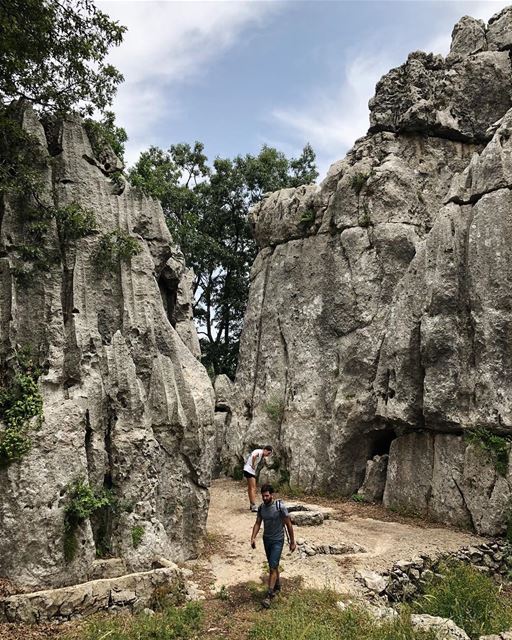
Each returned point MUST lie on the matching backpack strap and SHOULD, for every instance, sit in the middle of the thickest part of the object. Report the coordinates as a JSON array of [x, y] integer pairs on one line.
[[279, 506]]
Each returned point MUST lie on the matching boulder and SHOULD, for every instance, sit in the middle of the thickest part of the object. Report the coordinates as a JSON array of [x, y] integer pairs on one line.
[[444, 629]]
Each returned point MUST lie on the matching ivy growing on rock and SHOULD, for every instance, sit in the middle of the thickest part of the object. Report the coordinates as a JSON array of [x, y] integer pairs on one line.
[[113, 248], [497, 447], [21, 409], [83, 503]]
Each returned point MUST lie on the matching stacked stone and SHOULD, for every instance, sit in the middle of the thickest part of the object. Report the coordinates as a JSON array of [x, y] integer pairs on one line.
[[407, 577], [306, 549]]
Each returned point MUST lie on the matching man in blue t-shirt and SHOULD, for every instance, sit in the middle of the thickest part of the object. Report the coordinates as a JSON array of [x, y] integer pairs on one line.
[[275, 517]]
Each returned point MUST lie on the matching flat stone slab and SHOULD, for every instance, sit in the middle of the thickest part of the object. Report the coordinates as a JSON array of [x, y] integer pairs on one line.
[[134, 591], [297, 506], [304, 514]]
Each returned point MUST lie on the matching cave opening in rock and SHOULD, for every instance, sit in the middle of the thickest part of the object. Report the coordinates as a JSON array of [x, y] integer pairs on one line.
[[381, 442], [168, 285]]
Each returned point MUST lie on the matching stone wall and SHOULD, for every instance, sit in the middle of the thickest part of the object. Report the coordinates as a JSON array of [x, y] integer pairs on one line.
[[406, 578], [127, 405], [379, 306]]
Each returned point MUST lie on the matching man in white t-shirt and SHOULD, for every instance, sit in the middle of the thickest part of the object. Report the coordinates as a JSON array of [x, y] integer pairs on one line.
[[251, 464]]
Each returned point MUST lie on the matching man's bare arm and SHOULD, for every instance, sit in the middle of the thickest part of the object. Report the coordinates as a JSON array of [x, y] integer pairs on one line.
[[255, 530], [288, 524]]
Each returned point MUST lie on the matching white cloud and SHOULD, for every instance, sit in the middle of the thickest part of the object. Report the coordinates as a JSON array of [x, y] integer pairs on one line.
[[331, 123], [168, 43]]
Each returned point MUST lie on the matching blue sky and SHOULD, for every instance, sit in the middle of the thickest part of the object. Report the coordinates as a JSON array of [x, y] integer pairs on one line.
[[236, 75]]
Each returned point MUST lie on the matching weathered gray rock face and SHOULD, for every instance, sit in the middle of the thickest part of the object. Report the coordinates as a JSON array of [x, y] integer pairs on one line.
[[380, 300], [127, 405]]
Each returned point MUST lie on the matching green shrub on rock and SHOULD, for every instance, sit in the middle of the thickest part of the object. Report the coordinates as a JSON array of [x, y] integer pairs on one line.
[[113, 248], [497, 447], [21, 410], [83, 503]]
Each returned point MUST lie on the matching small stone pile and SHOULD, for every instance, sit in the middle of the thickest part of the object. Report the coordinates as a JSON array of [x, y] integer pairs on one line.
[[306, 549]]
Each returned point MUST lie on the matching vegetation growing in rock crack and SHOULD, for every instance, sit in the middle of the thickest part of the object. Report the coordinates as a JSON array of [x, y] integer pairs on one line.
[[307, 217], [206, 207], [137, 535], [274, 408], [358, 180], [113, 249], [104, 134], [497, 447], [365, 220], [471, 599], [21, 408], [82, 503]]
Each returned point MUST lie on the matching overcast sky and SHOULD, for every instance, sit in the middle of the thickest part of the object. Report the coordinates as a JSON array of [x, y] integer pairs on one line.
[[236, 75]]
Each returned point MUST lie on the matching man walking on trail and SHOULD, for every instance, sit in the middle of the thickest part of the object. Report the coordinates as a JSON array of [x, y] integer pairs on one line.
[[275, 517], [251, 464]]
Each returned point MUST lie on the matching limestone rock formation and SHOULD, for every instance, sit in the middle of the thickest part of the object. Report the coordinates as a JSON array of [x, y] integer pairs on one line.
[[379, 308], [127, 406]]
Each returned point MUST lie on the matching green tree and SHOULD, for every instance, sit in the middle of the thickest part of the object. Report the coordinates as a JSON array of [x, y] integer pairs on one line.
[[52, 54], [207, 212]]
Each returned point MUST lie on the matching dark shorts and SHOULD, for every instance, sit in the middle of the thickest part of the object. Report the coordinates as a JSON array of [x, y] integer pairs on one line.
[[248, 475], [273, 549]]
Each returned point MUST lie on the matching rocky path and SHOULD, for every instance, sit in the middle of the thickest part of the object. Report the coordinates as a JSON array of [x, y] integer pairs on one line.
[[385, 537]]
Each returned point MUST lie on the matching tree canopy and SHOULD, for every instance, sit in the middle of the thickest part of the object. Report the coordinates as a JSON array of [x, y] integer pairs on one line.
[[52, 54], [206, 207]]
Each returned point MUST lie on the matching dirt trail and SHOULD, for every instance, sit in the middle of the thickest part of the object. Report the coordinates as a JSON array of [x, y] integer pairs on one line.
[[232, 561]]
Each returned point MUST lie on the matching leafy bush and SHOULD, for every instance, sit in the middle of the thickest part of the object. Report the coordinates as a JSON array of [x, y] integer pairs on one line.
[[358, 180], [313, 615], [73, 222], [497, 447], [105, 135], [171, 624], [469, 598], [113, 248], [20, 403], [274, 408], [137, 535], [365, 220], [307, 217], [83, 503]]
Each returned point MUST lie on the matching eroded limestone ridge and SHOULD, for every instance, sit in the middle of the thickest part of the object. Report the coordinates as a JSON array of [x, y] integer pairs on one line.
[[128, 408], [379, 319]]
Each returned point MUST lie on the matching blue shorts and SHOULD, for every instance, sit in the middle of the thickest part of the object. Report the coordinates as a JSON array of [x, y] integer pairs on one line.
[[273, 549]]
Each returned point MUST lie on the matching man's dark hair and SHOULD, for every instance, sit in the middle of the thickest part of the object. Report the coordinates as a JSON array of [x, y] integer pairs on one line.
[[267, 488], [268, 448]]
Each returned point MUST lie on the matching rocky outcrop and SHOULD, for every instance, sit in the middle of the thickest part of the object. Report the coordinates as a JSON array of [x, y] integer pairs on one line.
[[128, 409], [379, 304]]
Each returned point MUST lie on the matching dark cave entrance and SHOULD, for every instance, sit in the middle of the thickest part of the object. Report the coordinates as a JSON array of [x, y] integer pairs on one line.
[[168, 285], [381, 442]]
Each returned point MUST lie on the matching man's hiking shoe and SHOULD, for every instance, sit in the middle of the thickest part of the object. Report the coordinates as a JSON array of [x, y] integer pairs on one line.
[[254, 508], [267, 600]]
